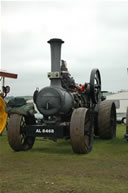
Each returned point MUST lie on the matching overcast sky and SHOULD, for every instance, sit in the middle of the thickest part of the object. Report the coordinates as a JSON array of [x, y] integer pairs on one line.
[[95, 34]]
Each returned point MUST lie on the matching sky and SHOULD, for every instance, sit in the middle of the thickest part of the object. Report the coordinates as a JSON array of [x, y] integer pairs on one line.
[[95, 33]]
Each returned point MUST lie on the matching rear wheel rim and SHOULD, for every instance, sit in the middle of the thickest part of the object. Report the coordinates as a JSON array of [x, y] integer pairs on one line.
[[3, 116]]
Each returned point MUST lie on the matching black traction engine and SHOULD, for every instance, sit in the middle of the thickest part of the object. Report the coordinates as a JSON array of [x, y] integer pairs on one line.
[[70, 111]]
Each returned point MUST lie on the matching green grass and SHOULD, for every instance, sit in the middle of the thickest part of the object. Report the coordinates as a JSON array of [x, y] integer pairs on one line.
[[53, 168]]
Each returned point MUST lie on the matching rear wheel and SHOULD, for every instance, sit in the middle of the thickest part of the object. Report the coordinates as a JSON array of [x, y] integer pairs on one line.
[[81, 131], [16, 133], [107, 120]]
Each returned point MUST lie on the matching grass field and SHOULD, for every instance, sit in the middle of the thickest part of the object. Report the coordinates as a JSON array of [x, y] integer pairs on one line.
[[53, 168]]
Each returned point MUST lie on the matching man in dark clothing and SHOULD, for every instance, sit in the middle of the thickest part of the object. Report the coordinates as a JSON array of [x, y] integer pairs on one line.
[[67, 81]]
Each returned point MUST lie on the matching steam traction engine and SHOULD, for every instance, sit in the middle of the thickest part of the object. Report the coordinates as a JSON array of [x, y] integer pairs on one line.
[[69, 110]]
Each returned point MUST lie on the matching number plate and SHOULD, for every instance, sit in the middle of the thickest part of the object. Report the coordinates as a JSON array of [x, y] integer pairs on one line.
[[45, 131]]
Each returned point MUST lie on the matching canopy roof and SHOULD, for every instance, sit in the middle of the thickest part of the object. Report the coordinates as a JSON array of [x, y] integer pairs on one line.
[[7, 74]]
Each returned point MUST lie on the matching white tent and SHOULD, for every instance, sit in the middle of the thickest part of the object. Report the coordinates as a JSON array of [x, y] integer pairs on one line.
[[122, 98]]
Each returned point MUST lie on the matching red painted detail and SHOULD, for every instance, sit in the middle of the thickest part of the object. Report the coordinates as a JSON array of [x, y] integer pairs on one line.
[[82, 88]]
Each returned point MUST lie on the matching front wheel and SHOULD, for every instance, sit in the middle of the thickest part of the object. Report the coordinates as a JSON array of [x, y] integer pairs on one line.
[[81, 131], [16, 133]]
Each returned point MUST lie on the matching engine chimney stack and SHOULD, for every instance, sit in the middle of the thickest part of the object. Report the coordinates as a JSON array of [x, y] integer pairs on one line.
[[55, 61]]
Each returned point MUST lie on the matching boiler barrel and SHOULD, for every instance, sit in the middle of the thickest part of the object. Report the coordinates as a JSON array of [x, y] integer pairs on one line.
[[53, 101]]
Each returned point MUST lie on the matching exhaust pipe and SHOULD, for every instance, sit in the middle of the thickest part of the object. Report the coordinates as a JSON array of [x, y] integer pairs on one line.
[[55, 45]]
